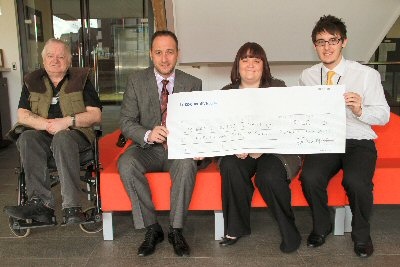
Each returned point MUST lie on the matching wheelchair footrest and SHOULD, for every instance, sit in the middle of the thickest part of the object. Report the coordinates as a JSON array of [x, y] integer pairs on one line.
[[95, 218], [85, 222], [29, 224], [92, 219]]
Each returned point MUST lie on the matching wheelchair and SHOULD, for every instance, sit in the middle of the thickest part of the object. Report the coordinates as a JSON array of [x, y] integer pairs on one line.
[[90, 174]]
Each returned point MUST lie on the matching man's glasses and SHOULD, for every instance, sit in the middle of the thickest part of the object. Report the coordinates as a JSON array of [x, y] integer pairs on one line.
[[332, 41]]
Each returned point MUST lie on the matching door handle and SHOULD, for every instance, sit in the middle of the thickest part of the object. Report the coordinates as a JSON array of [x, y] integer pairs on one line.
[[80, 62], [96, 68]]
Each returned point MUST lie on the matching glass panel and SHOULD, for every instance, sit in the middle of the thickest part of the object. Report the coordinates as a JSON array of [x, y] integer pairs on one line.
[[114, 43], [385, 50], [67, 26], [388, 57], [118, 45], [37, 27], [131, 52]]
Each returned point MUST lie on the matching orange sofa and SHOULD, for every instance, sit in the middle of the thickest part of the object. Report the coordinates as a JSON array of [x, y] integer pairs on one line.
[[207, 191]]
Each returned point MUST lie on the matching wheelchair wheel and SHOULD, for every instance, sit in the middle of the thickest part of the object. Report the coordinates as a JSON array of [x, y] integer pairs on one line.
[[94, 223], [17, 232]]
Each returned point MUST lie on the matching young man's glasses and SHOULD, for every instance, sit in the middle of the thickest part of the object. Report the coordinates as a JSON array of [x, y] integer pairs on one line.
[[332, 41]]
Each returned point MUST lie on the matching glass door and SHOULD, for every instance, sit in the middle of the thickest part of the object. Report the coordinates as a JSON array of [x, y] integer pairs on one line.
[[131, 52], [70, 27], [111, 37], [35, 28]]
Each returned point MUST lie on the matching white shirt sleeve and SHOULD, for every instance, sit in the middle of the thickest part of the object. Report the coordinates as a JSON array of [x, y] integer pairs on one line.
[[375, 110]]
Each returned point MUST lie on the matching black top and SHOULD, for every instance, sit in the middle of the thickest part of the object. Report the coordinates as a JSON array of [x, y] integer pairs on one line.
[[90, 98], [274, 83]]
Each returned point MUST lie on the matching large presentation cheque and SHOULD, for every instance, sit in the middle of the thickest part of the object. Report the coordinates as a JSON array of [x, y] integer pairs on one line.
[[285, 120]]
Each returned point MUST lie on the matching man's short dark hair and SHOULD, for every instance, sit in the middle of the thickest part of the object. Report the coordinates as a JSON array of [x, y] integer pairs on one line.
[[329, 24], [164, 33]]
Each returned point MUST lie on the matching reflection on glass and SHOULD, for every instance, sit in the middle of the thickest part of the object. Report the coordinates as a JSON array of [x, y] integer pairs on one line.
[[388, 57], [115, 43], [131, 52]]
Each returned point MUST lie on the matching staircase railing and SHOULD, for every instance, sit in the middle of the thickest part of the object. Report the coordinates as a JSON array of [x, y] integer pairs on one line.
[[390, 75]]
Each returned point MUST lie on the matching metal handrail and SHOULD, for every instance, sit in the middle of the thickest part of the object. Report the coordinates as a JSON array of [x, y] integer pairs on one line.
[[383, 63], [391, 85]]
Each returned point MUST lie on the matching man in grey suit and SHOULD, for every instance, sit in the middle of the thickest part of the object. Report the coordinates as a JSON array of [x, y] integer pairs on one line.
[[141, 121]]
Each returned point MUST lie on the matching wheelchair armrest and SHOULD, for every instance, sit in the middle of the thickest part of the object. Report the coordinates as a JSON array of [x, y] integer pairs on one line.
[[16, 131], [98, 131], [121, 140]]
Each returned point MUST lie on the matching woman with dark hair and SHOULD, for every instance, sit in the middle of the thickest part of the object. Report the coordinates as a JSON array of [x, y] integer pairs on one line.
[[273, 172]]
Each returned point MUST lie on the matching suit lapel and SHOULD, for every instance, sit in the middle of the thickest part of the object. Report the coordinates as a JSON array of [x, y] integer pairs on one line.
[[178, 85], [153, 93]]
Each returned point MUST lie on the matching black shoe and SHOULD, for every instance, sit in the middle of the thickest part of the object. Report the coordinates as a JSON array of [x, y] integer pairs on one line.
[[315, 240], [74, 215], [34, 209], [228, 241], [363, 249], [153, 236], [177, 240]]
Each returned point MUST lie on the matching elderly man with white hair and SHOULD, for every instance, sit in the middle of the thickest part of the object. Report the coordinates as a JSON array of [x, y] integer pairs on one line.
[[58, 106]]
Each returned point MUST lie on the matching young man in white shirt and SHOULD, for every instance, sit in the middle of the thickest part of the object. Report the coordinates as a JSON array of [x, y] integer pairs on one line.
[[365, 106]]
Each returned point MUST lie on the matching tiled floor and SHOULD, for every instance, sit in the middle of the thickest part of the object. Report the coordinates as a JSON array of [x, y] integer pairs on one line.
[[69, 246]]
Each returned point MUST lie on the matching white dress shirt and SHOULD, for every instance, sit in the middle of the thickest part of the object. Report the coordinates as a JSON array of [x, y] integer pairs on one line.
[[359, 79]]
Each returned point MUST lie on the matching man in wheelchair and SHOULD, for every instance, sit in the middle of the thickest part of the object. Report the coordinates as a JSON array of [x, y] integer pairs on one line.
[[58, 106]]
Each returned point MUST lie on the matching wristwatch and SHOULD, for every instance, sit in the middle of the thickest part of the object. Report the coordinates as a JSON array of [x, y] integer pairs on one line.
[[73, 121]]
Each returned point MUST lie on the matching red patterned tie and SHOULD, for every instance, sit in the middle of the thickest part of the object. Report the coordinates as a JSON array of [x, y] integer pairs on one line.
[[164, 102]]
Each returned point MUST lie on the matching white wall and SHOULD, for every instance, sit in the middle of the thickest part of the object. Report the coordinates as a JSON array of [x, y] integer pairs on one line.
[[11, 51], [212, 31], [215, 76]]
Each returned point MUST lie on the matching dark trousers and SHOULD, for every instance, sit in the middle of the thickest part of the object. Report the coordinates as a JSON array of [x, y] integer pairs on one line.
[[237, 192], [36, 148], [358, 164]]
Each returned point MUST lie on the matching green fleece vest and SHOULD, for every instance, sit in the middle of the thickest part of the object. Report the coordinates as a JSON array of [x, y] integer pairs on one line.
[[71, 95]]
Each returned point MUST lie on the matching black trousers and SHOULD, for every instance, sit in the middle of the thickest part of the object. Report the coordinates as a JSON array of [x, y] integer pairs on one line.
[[237, 192], [358, 164]]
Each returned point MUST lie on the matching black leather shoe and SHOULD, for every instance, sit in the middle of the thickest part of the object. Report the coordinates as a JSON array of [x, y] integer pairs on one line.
[[74, 215], [175, 237], [33, 209], [228, 241], [363, 249], [315, 240], [153, 236]]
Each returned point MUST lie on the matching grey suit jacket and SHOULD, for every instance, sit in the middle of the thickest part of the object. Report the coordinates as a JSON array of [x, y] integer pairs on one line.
[[141, 107]]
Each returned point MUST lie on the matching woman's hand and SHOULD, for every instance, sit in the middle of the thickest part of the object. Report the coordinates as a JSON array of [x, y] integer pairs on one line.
[[255, 155], [242, 156]]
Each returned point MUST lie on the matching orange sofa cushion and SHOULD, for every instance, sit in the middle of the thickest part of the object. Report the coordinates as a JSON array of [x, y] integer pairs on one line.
[[207, 191]]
